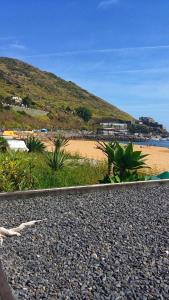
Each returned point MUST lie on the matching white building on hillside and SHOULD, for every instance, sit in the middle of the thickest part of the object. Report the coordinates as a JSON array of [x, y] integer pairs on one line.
[[112, 128], [17, 100]]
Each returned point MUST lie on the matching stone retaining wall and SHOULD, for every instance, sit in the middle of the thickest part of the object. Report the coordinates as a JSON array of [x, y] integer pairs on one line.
[[99, 242]]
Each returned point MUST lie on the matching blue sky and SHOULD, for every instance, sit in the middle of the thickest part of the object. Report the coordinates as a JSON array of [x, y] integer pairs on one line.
[[117, 49]]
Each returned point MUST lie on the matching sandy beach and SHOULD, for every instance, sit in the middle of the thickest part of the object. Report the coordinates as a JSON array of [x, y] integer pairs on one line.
[[158, 158]]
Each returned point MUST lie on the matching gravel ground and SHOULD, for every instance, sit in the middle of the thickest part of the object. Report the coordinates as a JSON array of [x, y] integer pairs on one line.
[[100, 245]]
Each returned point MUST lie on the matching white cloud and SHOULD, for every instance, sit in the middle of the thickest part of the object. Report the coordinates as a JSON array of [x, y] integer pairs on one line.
[[17, 45], [133, 71], [106, 3], [11, 43], [99, 51]]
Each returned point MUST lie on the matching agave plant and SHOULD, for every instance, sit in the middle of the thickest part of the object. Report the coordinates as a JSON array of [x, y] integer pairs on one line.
[[57, 160], [126, 159], [108, 150], [123, 161], [34, 145], [3, 144], [60, 142]]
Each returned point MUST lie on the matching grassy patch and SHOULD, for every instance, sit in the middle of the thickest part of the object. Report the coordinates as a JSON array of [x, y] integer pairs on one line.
[[37, 174]]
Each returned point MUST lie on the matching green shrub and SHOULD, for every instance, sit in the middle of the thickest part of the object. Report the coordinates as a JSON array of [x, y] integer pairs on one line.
[[27, 101], [16, 174], [3, 144], [1, 105], [74, 174], [6, 107], [22, 113], [83, 113], [129, 176], [123, 162], [56, 160], [35, 145]]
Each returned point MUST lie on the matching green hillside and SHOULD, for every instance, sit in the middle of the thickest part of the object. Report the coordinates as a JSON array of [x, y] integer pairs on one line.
[[50, 93]]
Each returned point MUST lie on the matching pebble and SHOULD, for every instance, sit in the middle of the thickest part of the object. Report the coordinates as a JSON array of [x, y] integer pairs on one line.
[[109, 245]]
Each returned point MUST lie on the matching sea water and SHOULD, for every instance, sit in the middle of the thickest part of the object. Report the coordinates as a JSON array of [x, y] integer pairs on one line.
[[155, 143]]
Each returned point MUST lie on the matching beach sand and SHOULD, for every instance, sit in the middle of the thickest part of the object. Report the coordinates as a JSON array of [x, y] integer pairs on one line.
[[158, 158]]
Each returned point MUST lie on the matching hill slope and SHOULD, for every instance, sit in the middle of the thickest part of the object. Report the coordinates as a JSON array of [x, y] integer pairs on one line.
[[48, 92]]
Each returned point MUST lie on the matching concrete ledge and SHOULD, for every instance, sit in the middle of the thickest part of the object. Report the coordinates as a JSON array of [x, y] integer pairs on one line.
[[81, 189]]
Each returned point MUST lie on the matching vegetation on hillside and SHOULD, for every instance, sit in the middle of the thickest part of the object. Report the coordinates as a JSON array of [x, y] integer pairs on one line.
[[84, 113], [46, 91]]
